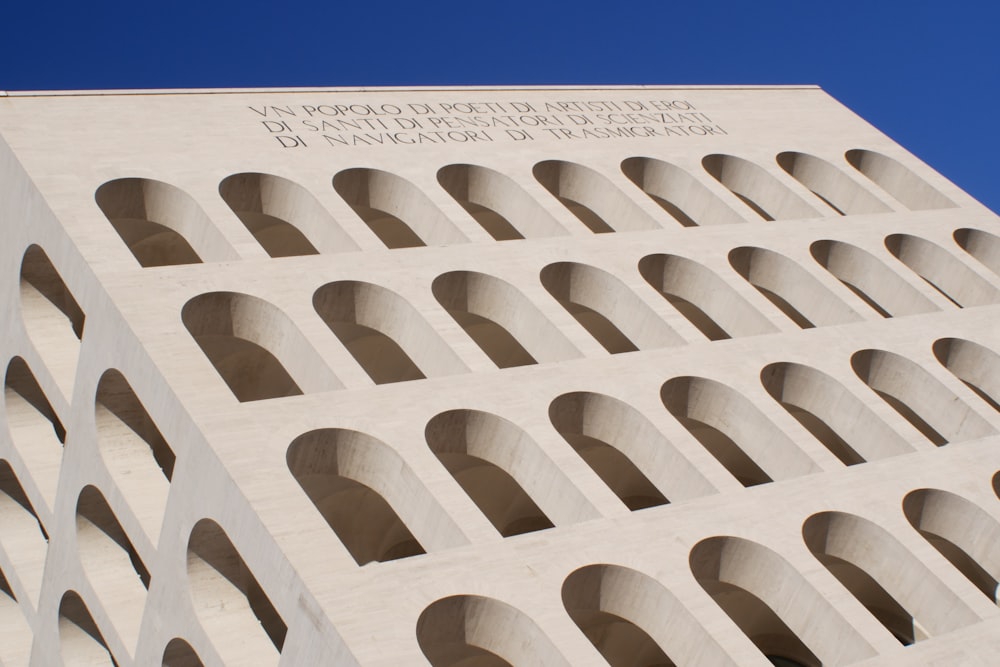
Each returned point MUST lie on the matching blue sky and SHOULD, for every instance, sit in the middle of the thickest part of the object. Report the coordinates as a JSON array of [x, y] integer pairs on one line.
[[926, 73]]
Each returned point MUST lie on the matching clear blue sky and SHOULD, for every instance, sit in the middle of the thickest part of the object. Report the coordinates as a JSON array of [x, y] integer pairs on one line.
[[926, 73]]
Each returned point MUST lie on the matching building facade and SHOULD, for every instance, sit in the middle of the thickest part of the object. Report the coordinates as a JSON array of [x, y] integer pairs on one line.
[[484, 377]]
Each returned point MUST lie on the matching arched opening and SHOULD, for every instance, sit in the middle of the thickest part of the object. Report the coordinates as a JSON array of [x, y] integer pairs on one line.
[[388, 338], [508, 328], [734, 431], [15, 633], [982, 245], [832, 414], [678, 193], [497, 203], [35, 429], [80, 640], [704, 299], [885, 577], [939, 269], [760, 191], [897, 180], [976, 366], [21, 533], [918, 397], [396, 211], [134, 451], [178, 653], [349, 477], [283, 216], [52, 318], [113, 566], [830, 184], [236, 613], [774, 605], [476, 631], [962, 533], [606, 308], [871, 281], [802, 298], [591, 197]]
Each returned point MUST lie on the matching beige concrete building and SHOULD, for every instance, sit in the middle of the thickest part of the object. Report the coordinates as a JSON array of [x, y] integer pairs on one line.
[[485, 377]]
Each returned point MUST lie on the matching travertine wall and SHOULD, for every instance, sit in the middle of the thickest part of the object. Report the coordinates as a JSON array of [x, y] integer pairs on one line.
[[480, 377]]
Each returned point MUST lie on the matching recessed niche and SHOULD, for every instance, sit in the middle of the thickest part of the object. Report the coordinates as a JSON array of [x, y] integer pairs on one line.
[[800, 296], [870, 279], [734, 431], [508, 328], [498, 204], [898, 590], [178, 653], [388, 338], [774, 605], [982, 245], [396, 211], [929, 406], [606, 308], [897, 180], [34, 428], [592, 198], [80, 640], [21, 533], [764, 194], [830, 184], [285, 218], [476, 631], [160, 224], [704, 299], [113, 566], [976, 366], [239, 619], [942, 271], [678, 193], [833, 415], [361, 486], [52, 318]]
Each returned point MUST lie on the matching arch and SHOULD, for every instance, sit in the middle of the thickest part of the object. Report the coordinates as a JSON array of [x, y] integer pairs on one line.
[[834, 416], [396, 211], [625, 450], [81, 642], [178, 653], [953, 279], [678, 193], [504, 472], [383, 332], [249, 341], [284, 217], [603, 305], [975, 365], [591, 197], [755, 187], [796, 293], [52, 317], [113, 566], [236, 613], [984, 246], [35, 429], [734, 431], [962, 532], [477, 631], [160, 224], [501, 320], [15, 633], [898, 590], [897, 180], [773, 604], [918, 397], [21, 533], [497, 203], [702, 297], [631, 619], [360, 485], [830, 184], [871, 280]]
